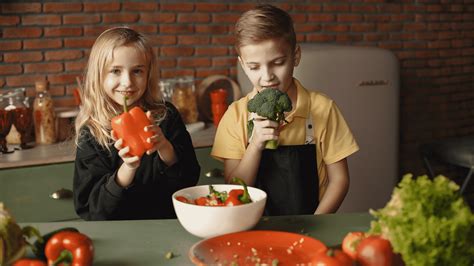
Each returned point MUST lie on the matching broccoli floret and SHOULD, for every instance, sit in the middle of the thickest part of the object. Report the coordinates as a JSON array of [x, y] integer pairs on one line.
[[271, 104]]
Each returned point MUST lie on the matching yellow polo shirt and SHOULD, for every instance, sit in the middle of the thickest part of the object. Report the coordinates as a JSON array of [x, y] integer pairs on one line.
[[333, 138]]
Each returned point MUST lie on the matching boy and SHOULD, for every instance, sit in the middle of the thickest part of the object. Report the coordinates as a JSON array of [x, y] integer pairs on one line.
[[308, 173]]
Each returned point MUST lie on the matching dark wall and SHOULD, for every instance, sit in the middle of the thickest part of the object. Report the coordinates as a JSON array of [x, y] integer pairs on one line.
[[432, 39]]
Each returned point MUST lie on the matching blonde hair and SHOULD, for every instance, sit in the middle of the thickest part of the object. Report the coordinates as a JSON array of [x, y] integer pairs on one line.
[[97, 108], [264, 22]]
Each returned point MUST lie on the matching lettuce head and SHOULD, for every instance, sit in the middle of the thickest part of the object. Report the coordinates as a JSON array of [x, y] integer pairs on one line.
[[427, 222]]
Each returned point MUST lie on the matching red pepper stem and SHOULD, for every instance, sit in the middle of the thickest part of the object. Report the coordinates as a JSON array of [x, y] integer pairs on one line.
[[244, 198], [125, 107], [65, 256]]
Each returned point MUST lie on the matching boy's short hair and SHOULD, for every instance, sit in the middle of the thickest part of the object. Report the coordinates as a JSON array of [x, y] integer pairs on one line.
[[264, 22]]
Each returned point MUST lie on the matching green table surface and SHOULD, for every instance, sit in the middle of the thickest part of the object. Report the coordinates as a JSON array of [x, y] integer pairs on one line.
[[145, 242]]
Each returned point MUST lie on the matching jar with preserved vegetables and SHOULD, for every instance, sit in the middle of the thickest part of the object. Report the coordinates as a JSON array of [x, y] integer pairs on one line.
[[184, 99], [44, 115]]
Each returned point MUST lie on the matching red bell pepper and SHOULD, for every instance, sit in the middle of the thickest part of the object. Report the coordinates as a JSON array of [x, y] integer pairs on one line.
[[29, 262], [69, 246], [129, 126], [238, 196]]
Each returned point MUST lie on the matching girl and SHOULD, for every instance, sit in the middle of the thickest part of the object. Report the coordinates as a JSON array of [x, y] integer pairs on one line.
[[308, 173], [108, 182]]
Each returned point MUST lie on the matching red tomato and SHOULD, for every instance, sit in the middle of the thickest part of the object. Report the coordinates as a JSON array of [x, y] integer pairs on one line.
[[183, 199], [350, 242], [332, 257], [201, 201], [375, 251]]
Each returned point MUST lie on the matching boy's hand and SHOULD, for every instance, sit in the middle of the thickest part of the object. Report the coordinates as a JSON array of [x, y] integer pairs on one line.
[[263, 130], [131, 162]]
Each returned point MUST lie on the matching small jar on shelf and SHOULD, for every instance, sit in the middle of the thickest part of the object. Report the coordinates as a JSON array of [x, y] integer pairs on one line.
[[44, 115]]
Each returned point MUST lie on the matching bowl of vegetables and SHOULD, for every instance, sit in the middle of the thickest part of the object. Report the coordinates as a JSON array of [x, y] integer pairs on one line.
[[211, 210]]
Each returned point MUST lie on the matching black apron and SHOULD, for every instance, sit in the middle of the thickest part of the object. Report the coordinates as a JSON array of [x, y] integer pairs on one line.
[[289, 176]]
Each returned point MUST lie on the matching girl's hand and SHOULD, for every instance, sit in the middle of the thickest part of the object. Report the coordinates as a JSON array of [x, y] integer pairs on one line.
[[131, 162], [263, 130], [158, 140]]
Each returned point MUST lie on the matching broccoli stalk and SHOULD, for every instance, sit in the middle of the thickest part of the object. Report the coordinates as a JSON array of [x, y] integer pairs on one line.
[[271, 104]]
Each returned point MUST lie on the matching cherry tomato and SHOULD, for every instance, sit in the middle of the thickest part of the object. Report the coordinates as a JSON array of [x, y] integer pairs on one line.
[[183, 199], [332, 257], [375, 251], [350, 242]]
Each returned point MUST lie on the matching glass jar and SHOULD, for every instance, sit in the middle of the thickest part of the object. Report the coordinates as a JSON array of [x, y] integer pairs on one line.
[[44, 115], [6, 121], [23, 117], [184, 99]]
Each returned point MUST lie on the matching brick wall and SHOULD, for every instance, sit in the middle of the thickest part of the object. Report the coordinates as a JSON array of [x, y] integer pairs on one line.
[[433, 39]]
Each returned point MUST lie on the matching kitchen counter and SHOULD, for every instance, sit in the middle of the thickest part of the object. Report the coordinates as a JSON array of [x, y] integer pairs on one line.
[[146, 242], [64, 151]]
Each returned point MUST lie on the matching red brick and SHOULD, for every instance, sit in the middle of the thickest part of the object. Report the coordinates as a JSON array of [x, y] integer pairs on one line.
[[467, 52], [390, 8], [75, 65], [401, 55], [389, 27], [196, 62], [390, 45], [56, 90], [225, 18], [79, 43], [308, 7], [22, 57], [449, 52], [317, 37], [10, 45], [194, 18], [223, 40], [44, 68], [349, 18], [140, 6], [336, 7], [346, 38], [179, 7], [10, 69], [176, 28], [362, 27], [64, 101], [413, 63], [193, 39], [42, 44], [210, 7], [414, 27], [62, 31], [321, 18], [364, 8], [307, 27], [145, 29], [158, 17], [41, 20], [166, 62], [64, 78], [95, 30], [119, 18], [426, 54], [101, 7], [211, 28], [413, 8], [212, 50], [82, 19], [336, 28], [299, 18], [451, 17], [177, 51], [204, 73], [445, 35], [172, 73], [9, 20], [20, 8], [373, 37], [461, 43], [163, 40], [439, 44], [61, 7], [434, 8], [22, 32], [224, 61], [240, 8], [23, 80], [377, 18], [63, 55]]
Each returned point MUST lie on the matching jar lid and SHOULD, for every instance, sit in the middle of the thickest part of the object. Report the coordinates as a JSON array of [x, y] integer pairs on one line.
[[41, 85]]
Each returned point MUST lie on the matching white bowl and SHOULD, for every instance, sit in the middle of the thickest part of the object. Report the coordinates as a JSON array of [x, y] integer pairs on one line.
[[210, 221]]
